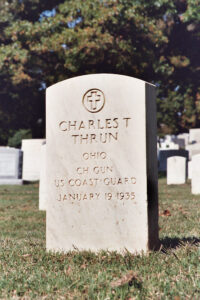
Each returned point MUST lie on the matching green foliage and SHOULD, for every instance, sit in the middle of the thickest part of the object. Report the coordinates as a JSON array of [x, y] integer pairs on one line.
[[15, 140], [29, 272], [157, 41]]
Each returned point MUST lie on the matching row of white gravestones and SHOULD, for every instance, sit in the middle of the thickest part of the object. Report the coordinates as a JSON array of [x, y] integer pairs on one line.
[[168, 145], [101, 164], [181, 139], [173, 141], [176, 171], [17, 165], [33, 160]]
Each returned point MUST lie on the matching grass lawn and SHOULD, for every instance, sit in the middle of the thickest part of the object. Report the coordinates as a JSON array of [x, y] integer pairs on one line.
[[28, 272]]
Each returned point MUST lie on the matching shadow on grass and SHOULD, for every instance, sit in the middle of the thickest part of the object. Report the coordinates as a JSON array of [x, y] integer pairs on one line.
[[26, 182], [173, 243]]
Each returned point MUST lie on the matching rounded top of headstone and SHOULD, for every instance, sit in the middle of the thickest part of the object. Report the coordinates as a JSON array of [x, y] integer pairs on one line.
[[9, 149], [176, 158], [32, 141], [95, 76], [196, 156]]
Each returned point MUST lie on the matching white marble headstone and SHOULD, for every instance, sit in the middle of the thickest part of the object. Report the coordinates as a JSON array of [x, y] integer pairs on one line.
[[101, 164], [195, 182], [10, 166], [176, 170], [194, 135], [180, 142], [190, 169], [164, 154], [31, 159], [168, 146], [185, 137], [43, 181], [193, 149]]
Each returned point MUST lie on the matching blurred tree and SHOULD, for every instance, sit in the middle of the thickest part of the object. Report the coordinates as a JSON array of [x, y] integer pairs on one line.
[[21, 92], [16, 139], [157, 41], [179, 91]]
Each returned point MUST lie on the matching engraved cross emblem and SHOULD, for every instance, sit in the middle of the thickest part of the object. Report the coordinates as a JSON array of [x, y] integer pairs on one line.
[[93, 100]]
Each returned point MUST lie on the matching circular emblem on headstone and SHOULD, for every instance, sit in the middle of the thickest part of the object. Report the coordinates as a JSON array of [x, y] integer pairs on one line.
[[94, 100]]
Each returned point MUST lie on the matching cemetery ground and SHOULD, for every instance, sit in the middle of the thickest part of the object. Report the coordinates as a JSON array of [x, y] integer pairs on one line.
[[27, 271]]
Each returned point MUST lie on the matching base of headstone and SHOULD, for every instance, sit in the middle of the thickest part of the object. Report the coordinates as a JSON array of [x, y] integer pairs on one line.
[[11, 181]]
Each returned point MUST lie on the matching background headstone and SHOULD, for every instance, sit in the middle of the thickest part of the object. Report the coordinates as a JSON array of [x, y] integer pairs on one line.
[[43, 181], [164, 154], [195, 182], [31, 159], [193, 149], [10, 166], [169, 138], [194, 135], [101, 164], [176, 170], [169, 146], [184, 136], [180, 142], [190, 169]]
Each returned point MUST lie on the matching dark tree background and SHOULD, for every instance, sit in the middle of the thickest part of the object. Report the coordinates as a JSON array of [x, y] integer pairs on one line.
[[43, 42]]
